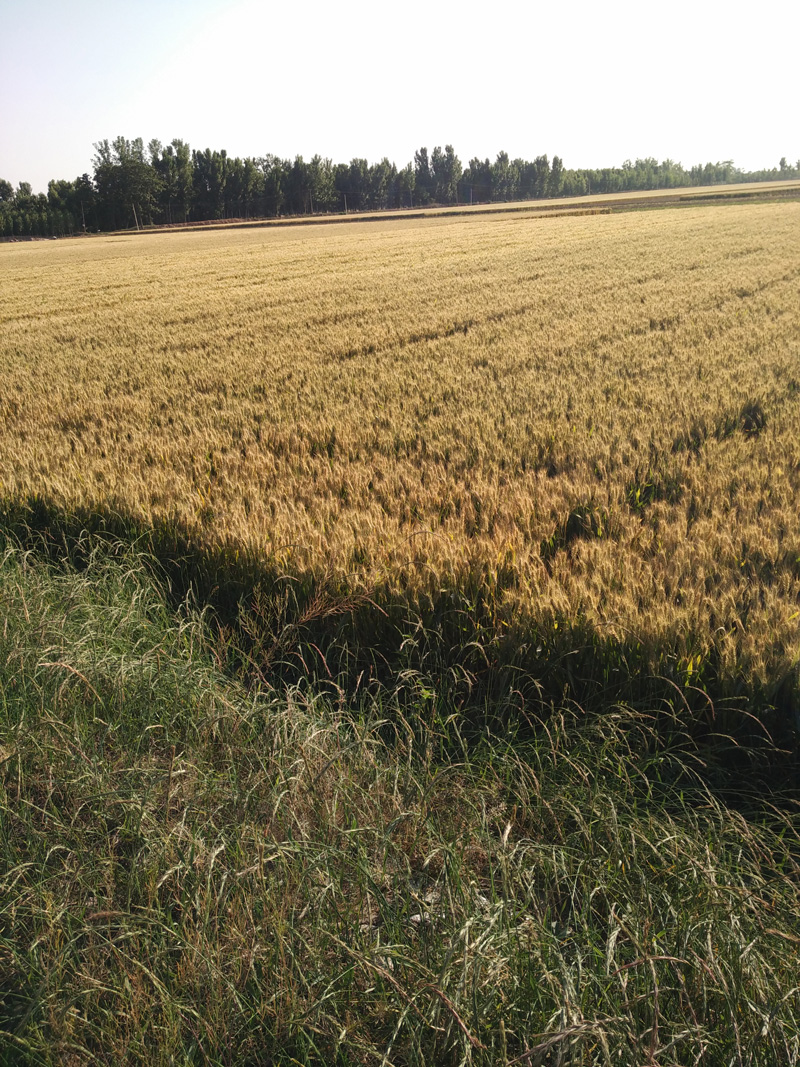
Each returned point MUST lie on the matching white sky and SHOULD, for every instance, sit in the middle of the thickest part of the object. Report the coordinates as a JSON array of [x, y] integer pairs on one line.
[[596, 83]]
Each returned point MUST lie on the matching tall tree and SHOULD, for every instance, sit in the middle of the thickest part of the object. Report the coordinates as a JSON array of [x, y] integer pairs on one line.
[[210, 171], [446, 173], [541, 166], [274, 184], [478, 180], [184, 178], [556, 177], [126, 183], [404, 188], [423, 177], [321, 185], [380, 179], [505, 178]]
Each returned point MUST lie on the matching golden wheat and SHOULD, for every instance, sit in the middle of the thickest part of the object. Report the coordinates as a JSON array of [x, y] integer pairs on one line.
[[596, 417]]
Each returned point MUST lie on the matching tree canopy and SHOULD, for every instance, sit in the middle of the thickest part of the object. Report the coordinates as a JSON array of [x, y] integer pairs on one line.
[[133, 186]]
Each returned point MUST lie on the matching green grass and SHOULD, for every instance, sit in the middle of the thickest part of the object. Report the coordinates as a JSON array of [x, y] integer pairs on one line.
[[285, 630], [203, 862]]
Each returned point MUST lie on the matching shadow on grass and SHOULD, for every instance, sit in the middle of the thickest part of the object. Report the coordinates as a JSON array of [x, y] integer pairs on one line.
[[274, 628]]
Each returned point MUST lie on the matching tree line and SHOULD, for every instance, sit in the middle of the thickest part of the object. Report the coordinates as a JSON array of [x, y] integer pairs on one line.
[[133, 185]]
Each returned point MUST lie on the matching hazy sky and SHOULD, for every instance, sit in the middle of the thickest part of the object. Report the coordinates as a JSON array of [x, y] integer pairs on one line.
[[593, 82]]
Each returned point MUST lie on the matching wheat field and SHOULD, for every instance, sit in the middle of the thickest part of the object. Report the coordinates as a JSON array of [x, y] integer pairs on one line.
[[593, 419]]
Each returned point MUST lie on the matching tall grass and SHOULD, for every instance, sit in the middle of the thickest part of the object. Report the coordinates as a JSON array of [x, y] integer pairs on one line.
[[203, 867]]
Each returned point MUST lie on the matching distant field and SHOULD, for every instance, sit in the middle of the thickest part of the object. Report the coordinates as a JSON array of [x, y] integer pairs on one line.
[[590, 203], [593, 420]]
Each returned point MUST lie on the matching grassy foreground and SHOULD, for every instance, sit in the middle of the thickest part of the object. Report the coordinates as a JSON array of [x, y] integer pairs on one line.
[[195, 870]]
